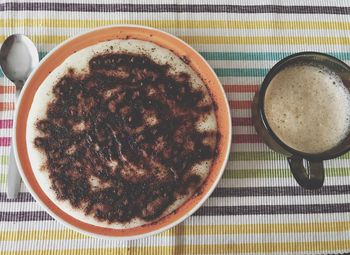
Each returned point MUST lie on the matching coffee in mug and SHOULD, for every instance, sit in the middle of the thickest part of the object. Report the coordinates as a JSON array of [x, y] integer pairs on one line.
[[308, 108]]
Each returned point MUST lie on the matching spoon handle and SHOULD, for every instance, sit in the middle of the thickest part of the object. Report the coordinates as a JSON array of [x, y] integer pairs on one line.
[[13, 177]]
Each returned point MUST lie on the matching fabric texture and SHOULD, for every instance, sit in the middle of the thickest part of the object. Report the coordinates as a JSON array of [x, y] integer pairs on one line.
[[257, 206]]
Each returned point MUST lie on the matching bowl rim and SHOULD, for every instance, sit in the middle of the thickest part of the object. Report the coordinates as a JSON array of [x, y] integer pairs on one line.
[[89, 38]]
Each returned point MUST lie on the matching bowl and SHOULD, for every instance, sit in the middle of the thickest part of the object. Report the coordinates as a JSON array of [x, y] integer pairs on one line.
[[72, 45]]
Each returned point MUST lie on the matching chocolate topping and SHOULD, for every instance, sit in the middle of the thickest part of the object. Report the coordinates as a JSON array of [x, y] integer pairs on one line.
[[120, 141]]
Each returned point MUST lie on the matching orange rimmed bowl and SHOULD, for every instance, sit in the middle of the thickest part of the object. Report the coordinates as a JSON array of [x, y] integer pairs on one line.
[[54, 59]]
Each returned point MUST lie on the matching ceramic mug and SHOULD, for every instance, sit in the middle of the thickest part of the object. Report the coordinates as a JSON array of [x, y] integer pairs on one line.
[[307, 169]]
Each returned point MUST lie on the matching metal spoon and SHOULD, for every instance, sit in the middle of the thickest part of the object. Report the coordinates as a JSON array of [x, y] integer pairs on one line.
[[18, 58]]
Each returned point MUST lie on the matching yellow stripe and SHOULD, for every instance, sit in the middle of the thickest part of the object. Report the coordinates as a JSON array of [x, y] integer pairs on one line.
[[226, 24], [201, 249], [274, 40], [186, 230], [44, 39]]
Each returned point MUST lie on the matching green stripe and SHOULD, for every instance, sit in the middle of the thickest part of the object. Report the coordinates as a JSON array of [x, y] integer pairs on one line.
[[277, 173], [260, 56], [256, 173], [241, 72], [249, 56], [2, 178], [4, 159], [255, 156]]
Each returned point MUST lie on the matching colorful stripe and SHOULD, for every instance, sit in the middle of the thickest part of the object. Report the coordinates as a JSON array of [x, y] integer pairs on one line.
[[6, 106], [188, 8], [261, 56], [5, 141], [240, 104], [271, 40], [6, 124], [265, 247], [242, 121], [210, 211], [184, 24], [187, 230], [277, 173], [7, 89]]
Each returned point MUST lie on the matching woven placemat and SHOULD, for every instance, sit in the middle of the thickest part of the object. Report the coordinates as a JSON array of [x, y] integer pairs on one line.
[[257, 207]]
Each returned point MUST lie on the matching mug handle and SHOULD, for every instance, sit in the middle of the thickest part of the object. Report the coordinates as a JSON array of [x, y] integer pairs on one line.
[[311, 177]]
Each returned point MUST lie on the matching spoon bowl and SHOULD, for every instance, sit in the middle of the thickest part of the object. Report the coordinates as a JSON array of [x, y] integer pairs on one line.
[[18, 58]]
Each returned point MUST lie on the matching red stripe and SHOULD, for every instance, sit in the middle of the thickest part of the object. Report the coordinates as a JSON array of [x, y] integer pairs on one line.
[[240, 104], [240, 88], [6, 123], [5, 141], [7, 89], [7, 106], [242, 121], [251, 138]]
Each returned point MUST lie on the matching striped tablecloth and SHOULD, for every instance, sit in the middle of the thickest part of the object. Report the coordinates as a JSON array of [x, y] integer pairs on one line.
[[257, 207]]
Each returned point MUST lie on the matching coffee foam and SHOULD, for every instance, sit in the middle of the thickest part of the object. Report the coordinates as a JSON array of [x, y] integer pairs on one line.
[[79, 62], [308, 108]]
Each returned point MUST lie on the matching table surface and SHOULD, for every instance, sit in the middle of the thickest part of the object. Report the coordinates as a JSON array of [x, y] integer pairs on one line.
[[257, 206]]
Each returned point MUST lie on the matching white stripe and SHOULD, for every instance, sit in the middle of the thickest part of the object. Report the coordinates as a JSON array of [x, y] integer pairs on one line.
[[237, 96], [274, 182], [277, 200], [20, 207], [248, 147], [259, 64], [7, 98], [257, 182], [3, 187], [202, 220], [259, 165], [239, 113], [4, 151], [266, 219], [6, 132], [177, 16], [278, 164], [31, 226], [245, 130]]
